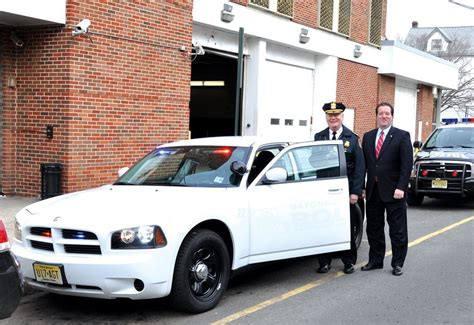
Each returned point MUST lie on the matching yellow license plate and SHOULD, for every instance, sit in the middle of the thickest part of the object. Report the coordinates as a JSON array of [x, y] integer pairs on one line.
[[439, 183], [48, 273]]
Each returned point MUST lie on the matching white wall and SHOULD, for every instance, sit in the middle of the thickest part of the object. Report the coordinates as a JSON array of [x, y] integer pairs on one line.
[[404, 116]]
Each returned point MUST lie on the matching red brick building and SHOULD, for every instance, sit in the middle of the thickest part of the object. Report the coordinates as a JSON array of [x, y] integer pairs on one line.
[[113, 93]]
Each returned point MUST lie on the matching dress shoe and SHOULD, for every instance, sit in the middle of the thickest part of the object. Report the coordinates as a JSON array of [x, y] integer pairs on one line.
[[371, 266], [348, 268], [324, 268], [397, 270]]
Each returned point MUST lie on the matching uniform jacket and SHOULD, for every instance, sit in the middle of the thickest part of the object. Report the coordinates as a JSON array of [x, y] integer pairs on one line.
[[354, 158], [393, 166]]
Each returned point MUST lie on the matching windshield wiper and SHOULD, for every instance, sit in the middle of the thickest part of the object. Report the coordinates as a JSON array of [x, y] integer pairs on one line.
[[122, 183]]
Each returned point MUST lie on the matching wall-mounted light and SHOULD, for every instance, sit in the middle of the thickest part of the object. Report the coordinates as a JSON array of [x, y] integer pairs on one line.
[[304, 38], [207, 83], [226, 13], [435, 92], [357, 51], [16, 40]]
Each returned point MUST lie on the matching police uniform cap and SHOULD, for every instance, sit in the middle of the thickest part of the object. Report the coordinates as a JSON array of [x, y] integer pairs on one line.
[[333, 108]]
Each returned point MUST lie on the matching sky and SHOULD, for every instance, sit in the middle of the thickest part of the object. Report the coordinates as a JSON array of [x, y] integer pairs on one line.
[[428, 13]]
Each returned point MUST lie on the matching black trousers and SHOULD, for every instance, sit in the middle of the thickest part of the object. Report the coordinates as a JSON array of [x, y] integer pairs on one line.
[[348, 256], [397, 222]]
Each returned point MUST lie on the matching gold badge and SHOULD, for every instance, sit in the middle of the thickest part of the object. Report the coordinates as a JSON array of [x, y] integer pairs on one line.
[[333, 105], [347, 144]]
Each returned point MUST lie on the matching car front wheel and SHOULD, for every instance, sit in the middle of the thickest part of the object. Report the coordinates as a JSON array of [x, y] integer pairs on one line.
[[201, 272]]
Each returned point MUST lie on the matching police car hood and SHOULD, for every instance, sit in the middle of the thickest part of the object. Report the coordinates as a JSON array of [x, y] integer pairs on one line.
[[455, 154]]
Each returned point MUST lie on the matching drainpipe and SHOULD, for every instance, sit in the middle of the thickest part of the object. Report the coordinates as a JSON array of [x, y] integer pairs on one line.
[[238, 88]]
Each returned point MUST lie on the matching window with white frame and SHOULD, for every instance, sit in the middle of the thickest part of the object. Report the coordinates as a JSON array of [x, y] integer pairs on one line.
[[335, 15], [436, 44], [284, 7]]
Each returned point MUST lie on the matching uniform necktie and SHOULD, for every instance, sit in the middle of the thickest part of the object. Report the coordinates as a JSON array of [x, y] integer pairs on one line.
[[333, 135], [379, 145]]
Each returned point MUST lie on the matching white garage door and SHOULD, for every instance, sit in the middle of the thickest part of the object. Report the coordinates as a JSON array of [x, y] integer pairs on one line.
[[287, 101], [405, 109]]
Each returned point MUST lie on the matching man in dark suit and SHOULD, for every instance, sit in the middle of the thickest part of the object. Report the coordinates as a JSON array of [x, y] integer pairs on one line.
[[355, 173], [389, 161]]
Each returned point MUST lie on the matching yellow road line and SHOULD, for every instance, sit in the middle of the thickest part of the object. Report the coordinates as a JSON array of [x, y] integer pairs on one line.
[[314, 284]]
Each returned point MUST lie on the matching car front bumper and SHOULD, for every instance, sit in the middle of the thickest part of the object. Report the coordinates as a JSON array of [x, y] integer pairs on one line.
[[104, 276]]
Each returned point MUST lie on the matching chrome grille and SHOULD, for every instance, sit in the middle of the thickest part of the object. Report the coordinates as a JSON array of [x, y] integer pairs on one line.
[[60, 241]]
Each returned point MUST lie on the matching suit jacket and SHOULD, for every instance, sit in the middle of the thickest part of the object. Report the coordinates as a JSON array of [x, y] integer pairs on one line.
[[354, 158], [393, 167]]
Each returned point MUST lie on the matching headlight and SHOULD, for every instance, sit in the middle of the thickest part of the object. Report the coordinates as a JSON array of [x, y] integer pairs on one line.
[[138, 238], [18, 230]]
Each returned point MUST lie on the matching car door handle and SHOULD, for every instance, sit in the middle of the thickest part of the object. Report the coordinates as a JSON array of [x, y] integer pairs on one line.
[[334, 190]]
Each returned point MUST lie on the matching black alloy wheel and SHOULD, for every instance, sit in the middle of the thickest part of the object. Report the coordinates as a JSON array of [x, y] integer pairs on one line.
[[201, 272]]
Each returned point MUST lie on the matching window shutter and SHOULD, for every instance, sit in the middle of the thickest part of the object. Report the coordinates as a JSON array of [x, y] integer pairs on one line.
[[285, 7], [376, 10], [261, 3], [344, 17], [326, 13]]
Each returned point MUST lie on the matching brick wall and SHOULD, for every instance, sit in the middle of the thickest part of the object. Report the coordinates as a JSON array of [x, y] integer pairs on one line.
[[357, 88], [360, 13], [424, 110], [111, 97], [306, 13]]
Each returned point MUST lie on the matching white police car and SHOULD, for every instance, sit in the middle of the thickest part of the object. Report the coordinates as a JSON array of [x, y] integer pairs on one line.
[[444, 165], [186, 215]]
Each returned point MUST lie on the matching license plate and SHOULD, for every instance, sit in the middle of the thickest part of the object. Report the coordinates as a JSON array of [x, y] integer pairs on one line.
[[439, 183], [48, 273]]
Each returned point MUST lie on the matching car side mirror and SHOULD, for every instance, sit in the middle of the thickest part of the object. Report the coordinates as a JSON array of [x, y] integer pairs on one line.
[[417, 144], [238, 167], [275, 175], [122, 171]]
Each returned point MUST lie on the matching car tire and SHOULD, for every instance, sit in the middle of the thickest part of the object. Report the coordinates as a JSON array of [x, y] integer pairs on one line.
[[414, 199], [201, 272], [359, 225]]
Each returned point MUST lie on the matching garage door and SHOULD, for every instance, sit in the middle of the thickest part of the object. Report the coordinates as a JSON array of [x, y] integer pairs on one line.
[[287, 101], [405, 109]]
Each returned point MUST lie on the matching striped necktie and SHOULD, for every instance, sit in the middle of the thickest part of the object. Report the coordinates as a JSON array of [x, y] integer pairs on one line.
[[379, 145]]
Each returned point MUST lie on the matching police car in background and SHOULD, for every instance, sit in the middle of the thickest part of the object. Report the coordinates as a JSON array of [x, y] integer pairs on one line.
[[444, 165]]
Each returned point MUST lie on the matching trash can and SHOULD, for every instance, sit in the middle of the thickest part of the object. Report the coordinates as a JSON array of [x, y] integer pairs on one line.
[[50, 180]]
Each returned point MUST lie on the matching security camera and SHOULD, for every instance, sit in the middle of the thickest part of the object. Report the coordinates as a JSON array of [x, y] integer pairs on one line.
[[16, 40], [81, 28], [198, 49]]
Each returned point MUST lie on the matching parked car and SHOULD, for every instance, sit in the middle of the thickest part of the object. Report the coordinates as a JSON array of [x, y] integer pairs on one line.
[[444, 165], [185, 216], [10, 280]]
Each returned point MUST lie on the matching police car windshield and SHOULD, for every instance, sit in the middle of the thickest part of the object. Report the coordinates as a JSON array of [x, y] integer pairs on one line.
[[451, 138]]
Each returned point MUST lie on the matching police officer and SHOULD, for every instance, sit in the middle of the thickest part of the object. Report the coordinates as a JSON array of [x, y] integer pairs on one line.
[[355, 172]]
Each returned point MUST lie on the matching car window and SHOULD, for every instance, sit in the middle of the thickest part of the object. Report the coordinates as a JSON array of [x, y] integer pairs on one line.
[[205, 166], [262, 159], [451, 138], [310, 163]]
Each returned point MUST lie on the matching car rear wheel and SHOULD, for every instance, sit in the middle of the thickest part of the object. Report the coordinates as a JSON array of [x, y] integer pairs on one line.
[[414, 199], [201, 272]]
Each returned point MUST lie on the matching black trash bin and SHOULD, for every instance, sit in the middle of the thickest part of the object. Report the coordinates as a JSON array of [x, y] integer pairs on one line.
[[50, 180]]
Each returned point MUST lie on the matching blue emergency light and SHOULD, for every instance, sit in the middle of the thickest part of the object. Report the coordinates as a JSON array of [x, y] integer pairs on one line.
[[449, 120]]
